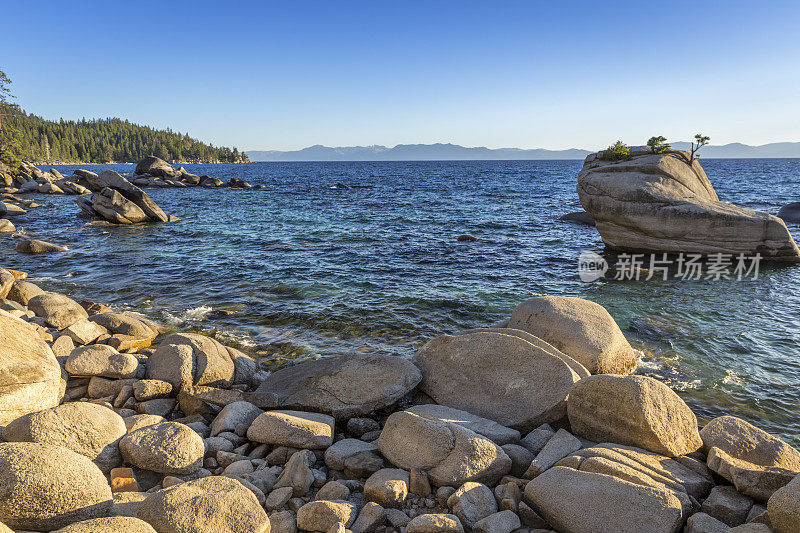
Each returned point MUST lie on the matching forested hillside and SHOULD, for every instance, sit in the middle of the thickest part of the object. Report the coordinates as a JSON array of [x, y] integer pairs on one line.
[[35, 139]]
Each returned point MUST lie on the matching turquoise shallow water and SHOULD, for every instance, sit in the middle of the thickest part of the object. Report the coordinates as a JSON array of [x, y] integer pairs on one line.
[[311, 270]]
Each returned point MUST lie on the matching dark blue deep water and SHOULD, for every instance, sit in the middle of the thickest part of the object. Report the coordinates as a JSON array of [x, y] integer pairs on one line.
[[311, 270]]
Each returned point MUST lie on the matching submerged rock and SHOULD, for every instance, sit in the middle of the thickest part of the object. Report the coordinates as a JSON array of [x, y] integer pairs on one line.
[[33, 246], [790, 213], [666, 203], [579, 217]]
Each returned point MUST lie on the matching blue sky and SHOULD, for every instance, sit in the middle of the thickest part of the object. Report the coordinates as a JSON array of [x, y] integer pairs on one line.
[[284, 75]]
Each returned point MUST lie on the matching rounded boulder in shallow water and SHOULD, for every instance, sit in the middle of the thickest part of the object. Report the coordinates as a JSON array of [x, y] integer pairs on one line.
[[450, 454], [166, 448], [633, 410], [57, 310], [188, 359], [296, 429], [45, 487], [30, 376], [343, 387], [211, 504], [112, 524], [790, 213], [580, 328], [85, 428], [496, 376], [33, 246]]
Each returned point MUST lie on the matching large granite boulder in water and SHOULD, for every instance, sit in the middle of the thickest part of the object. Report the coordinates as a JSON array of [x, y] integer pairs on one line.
[[666, 203], [156, 167], [120, 201]]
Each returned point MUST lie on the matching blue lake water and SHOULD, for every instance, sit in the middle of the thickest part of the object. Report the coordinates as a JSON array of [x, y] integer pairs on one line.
[[311, 270]]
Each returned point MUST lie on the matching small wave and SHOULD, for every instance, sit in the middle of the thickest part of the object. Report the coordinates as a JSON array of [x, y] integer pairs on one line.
[[195, 314], [686, 385]]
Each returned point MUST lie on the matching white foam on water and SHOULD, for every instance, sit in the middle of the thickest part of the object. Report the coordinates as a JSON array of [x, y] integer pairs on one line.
[[198, 313]]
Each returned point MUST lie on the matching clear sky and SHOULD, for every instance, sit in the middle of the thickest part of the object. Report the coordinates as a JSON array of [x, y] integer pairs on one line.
[[284, 75]]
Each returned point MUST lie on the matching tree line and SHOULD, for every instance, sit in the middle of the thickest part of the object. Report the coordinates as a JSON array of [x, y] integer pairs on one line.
[[28, 137]]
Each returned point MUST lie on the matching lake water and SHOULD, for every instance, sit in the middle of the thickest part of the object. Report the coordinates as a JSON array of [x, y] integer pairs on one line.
[[311, 270]]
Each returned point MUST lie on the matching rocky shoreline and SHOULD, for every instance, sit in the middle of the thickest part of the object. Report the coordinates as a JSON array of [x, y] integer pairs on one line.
[[531, 425]]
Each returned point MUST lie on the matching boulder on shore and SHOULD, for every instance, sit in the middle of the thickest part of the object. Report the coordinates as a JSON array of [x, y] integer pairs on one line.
[[343, 387], [500, 377], [584, 502], [85, 428], [30, 376], [451, 454], [216, 503], [666, 203], [45, 487], [634, 410], [790, 213]]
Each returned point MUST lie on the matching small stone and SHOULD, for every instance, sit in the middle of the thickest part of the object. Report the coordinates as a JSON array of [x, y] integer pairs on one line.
[[123, 480], [520, 457], [435, 523], [101, 360], [358, 426], [167, 448], [233, 415], [322, 515], [529, 517], [726, 505], [151, 389], [559, 446], [502, 522], [84, 331], [161, 406], [418, 483], [703, 523], [339, 451], [784, 507], [536, 439], [237, 468], [297, 475], [397, 518], [293, 428], [362, 465], [278, 498], [472, 502], [333, 490], [283, 522], [388, 487], [371, 517]]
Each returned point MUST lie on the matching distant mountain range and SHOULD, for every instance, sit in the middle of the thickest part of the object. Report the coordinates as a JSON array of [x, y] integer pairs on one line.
[[440, 152]]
